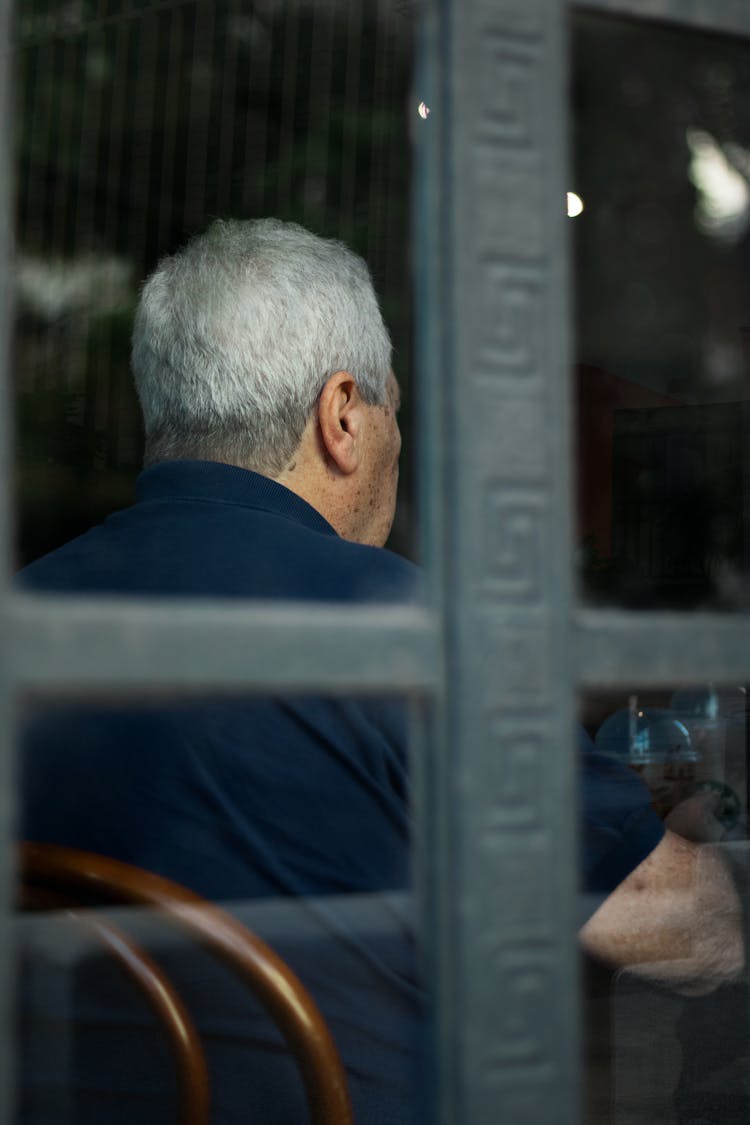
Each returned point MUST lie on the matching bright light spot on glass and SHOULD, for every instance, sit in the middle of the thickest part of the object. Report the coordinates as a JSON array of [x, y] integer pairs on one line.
[[575, 205], [55, 287], [423, 110], [720, 173]]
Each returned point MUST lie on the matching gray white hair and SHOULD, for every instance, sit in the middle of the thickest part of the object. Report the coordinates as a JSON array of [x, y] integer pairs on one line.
[[236, 335]]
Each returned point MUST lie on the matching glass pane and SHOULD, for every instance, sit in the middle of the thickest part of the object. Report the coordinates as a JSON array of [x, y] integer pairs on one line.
[[661, 166], [291, 814], [667, 1037], [136, 125]]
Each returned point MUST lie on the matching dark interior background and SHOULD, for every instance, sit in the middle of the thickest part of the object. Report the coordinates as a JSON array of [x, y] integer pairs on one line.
[[661, 159]]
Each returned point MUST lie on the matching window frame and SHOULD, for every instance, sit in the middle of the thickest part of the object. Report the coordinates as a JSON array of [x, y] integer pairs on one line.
[[502, 650]]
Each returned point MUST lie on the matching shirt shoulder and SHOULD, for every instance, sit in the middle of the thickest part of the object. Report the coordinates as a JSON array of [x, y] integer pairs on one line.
[[195, 548]]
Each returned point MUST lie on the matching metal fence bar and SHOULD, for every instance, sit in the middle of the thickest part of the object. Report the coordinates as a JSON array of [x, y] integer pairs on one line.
[[618, 648], [88, 644], [7, 213], [500, 894], [730, 17]]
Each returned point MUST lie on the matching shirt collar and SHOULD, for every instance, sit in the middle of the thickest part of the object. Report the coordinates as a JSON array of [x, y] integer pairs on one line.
[[228, 484]]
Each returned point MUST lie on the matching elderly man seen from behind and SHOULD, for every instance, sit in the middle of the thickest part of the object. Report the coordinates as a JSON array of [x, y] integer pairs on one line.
[[264, 373]]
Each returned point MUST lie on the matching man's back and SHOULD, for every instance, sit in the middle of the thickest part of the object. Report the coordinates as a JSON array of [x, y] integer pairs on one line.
[[235, 798], [240, 799]]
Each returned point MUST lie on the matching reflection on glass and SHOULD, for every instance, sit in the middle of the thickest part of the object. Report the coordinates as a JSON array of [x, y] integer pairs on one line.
[[697, 743], [723, 194], [661, 1045], [293, 816], [661, 157], [138, 124], [683, 741]]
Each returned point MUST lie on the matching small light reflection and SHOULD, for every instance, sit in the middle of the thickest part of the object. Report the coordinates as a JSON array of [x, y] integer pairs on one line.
[[575, 205], [423, 110], [720, 174]]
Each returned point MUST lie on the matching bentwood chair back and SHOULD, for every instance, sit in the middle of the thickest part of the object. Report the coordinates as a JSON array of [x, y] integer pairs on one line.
[[52, 876]]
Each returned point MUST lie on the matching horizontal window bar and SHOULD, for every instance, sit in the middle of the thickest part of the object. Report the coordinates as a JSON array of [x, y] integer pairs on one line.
[[67, 644], [619, 648], [730, 17], [84, 645]]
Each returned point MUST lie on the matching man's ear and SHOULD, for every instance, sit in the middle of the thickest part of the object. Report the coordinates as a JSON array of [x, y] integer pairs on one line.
[[340, 422]]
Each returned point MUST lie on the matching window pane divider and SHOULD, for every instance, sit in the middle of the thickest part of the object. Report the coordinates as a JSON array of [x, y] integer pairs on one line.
[[658, 649], [123, 644]]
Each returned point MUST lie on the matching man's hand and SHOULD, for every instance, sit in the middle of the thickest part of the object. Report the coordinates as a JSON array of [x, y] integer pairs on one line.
[[697, 818]]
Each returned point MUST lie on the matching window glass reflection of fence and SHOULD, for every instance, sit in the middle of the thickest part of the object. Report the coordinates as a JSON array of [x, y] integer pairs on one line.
[[135, 124]]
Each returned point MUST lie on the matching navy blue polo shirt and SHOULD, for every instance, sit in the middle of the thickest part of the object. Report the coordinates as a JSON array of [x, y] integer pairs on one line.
[[272, 796], [267, 802], [237, 799]]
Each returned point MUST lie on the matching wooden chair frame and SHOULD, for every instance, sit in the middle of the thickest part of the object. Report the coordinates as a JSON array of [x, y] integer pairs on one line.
[[55, 875]]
